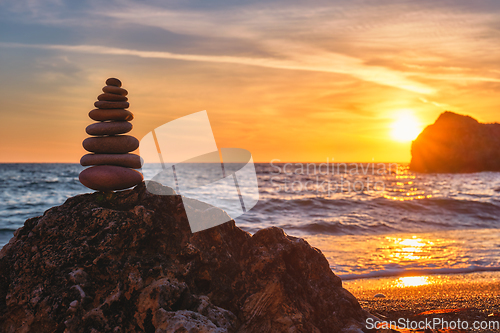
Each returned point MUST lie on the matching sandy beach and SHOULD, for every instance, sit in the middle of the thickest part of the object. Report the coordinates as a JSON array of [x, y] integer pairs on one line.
[[472, 298]]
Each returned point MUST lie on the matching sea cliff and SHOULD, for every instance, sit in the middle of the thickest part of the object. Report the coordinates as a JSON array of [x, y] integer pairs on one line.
[[456, 144]]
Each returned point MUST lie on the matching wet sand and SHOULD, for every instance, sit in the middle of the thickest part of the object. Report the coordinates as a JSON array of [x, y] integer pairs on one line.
[[470, 298]]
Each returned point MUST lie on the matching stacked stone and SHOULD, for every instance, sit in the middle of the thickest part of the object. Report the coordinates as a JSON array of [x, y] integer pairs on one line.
[[111, 162]]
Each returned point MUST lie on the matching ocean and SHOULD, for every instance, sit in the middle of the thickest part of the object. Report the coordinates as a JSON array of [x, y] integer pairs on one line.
[[369, 219]]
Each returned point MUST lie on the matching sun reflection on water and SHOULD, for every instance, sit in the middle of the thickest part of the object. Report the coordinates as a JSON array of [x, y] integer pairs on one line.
[[406, 254], [402, 187], [409, 248], [412, 281]]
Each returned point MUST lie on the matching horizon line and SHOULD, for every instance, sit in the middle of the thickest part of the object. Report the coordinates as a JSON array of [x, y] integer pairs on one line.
[[268, 162]]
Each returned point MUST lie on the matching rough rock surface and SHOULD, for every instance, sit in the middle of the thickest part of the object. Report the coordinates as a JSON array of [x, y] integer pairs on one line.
[[456, 143], [127, 262]]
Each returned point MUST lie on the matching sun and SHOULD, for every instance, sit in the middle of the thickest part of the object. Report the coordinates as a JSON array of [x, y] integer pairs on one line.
[[406, 127]]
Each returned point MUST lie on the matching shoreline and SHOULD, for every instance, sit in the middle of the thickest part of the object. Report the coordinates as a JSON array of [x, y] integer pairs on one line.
[[470, 298], [398, 254], [418, 272]]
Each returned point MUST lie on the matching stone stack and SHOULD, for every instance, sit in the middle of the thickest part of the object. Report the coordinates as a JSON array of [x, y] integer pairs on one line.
[[111, 161]]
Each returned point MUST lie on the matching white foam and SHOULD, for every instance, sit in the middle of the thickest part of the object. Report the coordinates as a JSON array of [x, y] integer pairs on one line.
[[415, 272]]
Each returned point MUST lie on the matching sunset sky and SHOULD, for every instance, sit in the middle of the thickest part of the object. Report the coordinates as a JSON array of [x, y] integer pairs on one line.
[[288, 80]]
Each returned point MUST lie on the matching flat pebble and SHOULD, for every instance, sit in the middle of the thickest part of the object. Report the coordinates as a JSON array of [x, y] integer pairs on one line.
[[112, 97], [119, 144], [111, 105], [109, 128], [126, 160], [110, 114], [113, 82], [109, 178], [115, 90]]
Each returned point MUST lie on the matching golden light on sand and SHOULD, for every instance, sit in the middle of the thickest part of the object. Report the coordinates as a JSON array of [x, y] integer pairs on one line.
[[406, 127], [412, 281]]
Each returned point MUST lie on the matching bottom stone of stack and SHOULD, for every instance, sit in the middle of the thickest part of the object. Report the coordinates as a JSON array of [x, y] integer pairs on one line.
[[110, 178]]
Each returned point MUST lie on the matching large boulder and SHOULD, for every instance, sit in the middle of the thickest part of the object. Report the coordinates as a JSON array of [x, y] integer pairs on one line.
[[456, 143], [127, 262]]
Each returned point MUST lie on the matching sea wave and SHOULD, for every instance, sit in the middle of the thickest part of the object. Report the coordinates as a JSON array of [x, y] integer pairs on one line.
[[376, 215], [7, 230], [358, 227]]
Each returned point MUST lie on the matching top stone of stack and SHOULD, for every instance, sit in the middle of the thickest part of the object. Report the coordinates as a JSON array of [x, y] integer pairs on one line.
[[113, 82]]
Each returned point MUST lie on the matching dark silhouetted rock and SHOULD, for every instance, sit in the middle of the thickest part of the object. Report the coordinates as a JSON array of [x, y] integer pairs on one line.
[[127, 262], [456, 143]]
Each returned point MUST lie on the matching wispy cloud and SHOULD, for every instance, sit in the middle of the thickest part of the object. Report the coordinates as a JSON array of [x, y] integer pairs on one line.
[[321, 62], [394, 44], [401, 45]]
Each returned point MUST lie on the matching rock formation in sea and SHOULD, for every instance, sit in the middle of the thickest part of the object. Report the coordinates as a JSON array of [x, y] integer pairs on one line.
[[127, 262], [457, 143], [112, 164]]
